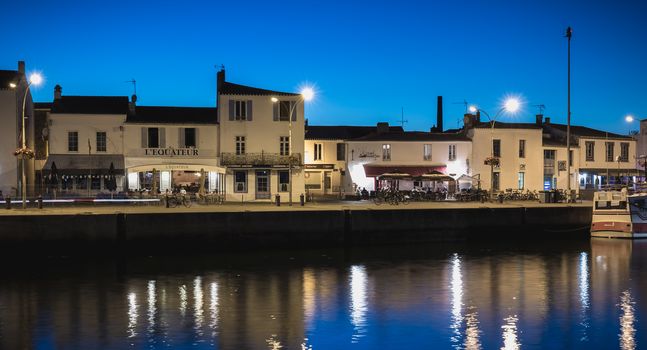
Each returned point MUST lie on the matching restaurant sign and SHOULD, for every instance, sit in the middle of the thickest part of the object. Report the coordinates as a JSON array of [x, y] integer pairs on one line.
[[172, 152], [319, 166]]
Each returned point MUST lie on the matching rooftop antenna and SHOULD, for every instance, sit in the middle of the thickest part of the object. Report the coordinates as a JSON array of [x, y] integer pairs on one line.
[[134, 82], [402, 121], [467, 105], [541, 108]]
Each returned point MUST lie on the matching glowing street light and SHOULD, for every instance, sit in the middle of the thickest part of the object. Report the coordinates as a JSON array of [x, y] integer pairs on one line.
[[473, 109], [629, 118], [34, 79], [307, 94]]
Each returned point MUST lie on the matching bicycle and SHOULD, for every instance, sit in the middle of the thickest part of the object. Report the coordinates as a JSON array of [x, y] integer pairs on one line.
[[179, 199]]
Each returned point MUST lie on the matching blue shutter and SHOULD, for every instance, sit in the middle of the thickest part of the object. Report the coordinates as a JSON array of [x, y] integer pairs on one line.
[[293, 106], [231, 109], [249, 110], [275, 111]]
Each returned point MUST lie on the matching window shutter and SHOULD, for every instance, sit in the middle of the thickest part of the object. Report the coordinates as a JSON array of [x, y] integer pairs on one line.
[[144, 137], [197, 140], [162, 136], [294, 113], [249, 110], [231, 109], [181, 142], [275, 111]]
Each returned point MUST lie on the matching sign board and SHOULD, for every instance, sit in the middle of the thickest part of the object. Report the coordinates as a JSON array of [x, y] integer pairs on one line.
[[561, 165], [319, 166], [172, 152]]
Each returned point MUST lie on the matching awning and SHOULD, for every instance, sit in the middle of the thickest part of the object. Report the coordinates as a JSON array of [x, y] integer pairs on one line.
[[412, 170], [611, 171], [80, 164]]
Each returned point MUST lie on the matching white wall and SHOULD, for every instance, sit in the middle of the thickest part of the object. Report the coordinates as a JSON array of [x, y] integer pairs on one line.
[[8, 142], [87, 126], [329, 156]]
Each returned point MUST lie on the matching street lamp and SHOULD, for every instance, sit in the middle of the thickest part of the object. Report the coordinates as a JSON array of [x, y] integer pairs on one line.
[[511, 105], [34, 79], [306, 94]]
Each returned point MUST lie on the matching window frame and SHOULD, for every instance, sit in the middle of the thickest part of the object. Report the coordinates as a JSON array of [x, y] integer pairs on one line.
[[624, 156], [279, 183], [284, 145], [522, 148], [609, 150], [318, 152], [341, 151], [452, 152], [105, 142], [186, 138], [386, 152], [148, 137], [496, 148], [427, 149], [244, 182], [240, 110], [240, 145], [589, 157], [288, 107], [521, 180], [69, 143]]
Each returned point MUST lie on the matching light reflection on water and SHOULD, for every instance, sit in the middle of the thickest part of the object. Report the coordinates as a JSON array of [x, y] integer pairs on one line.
[[422, 297]]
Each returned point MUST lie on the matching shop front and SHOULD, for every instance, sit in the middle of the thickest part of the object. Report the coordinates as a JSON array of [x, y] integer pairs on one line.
[[77, 175]]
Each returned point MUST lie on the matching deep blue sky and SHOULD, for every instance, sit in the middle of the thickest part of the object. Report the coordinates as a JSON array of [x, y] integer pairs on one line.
[[366, 58]]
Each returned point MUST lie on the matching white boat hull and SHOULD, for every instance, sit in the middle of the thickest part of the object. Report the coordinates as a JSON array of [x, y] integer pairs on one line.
[[618, 221]]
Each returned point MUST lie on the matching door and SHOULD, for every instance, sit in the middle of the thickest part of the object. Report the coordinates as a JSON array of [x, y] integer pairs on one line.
[[263, 184], [327, 182]]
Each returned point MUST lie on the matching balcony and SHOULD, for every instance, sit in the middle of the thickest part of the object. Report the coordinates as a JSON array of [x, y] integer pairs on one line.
[[260, 159]]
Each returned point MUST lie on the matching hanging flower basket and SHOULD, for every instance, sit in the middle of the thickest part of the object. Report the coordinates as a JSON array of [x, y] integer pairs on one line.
[[24, 153], [493, 161]]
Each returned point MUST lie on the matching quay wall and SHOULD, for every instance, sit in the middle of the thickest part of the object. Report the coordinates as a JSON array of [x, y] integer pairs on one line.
[[223, 231]]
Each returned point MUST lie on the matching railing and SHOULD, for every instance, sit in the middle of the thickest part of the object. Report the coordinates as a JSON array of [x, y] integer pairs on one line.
[[260, 159]]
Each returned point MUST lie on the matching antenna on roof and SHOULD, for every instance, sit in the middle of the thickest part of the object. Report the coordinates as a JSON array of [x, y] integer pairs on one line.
[[467, 105], [541, 108], [134, 82], [402, 121]]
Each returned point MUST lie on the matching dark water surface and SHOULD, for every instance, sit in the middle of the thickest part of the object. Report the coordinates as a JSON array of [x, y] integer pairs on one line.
[[581, 295]]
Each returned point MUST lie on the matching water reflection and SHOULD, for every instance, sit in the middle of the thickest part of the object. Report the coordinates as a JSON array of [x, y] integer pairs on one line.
[[581, 296], [627, 319], [358, 304]]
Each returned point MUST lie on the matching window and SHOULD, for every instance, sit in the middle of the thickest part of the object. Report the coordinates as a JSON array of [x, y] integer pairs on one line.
[[590, 150], [284, 181], [386, 152], [570, 158], [101, 141], [318, 151], [549, 162], [153, 138], [284, 111], [341, 151], [522, 148], [82, 183], [496, 148], [609, 148], [189, 138], [95, 183], [240, 110], [284, 145], [624, 151], [240, 145], [495, 181], [452, 152], [73, 141], [426, 151], [520, 180], [240, 181]]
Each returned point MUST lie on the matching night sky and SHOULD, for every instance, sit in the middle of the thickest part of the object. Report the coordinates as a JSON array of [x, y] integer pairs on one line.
[[367, 59]]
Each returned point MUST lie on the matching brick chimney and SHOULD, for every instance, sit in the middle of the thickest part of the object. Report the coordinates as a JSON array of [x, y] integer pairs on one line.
[[21, 67], [382, 127], [439, 114], [133, 104], [220, 78], [58, 92], [539, 119], [547, 120]]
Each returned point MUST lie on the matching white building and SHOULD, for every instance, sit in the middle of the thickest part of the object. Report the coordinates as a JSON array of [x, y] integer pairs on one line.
[[261, 132]]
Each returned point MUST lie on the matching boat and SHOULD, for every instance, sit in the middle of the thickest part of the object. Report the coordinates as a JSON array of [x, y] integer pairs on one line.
[[619, 213]]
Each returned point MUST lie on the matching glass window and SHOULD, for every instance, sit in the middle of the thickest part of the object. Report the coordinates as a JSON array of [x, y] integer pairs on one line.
[[590, 150], [240, 181], [82, 183], [284, 145], [95, 184], [240, 110], [73, 141], [495, 181], [520, 180], [318, 151], [153, 138], [284, 181], [341, 151], [452, 152], [240, 145], [101, 141], [522, 148], [284, 111], [624, 151], [609, 148], [496, 148], [426, 152], [386, 152], [189, 137]]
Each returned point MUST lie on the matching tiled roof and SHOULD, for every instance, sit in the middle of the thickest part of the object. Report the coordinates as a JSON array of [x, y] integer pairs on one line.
[[413, 136], [342, 132], [91, 105], [583, 131], [7, 77], [236, 89], [174, 115]]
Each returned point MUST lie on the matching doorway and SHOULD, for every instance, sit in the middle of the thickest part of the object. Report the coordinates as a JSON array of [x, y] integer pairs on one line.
[[263, 184]]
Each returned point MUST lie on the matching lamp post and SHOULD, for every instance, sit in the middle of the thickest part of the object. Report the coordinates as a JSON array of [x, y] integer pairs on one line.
[[569, 34], [306, 94], [510, 105], [35, 79]]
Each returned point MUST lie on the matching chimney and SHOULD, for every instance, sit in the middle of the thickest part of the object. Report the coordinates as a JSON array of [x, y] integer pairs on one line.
[[439, 114], [220, 78], [382, 128], [133, 104], [478, 116], [547, 120], [58, 91], [539, 119], [21, 67], [468, 120]]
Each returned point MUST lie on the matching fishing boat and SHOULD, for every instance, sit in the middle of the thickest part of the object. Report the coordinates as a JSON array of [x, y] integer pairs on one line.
[[619, 213]]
